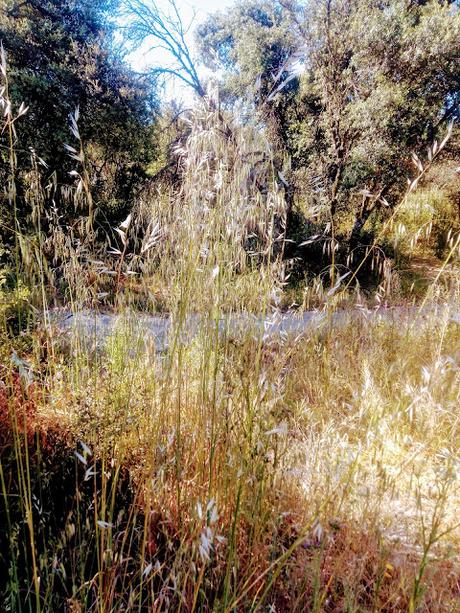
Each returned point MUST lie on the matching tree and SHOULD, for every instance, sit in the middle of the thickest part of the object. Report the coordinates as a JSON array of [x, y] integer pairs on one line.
[[61, 56], [147, 23], [378, 81]]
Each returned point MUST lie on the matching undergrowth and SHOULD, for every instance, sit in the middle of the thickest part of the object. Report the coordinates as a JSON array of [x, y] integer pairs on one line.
[[235, 467]]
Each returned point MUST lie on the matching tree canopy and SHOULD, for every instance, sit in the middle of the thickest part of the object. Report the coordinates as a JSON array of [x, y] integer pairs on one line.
[[349, 88], [61, 56]]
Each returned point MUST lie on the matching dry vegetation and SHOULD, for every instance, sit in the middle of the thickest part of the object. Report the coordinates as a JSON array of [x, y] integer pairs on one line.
[[234, 471]]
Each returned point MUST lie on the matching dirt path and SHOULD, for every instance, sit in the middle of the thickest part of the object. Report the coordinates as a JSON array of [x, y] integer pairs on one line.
[[94, 328]]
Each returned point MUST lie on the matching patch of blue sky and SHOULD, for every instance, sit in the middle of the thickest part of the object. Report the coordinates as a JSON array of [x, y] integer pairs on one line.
[[192, 13]]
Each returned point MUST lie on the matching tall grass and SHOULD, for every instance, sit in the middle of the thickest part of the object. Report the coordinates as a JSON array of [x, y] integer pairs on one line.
[[235, 469]]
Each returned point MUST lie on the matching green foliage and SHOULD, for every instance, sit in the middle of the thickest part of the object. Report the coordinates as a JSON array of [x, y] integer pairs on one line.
[[250, 40], [378, 81], [14, 305], [426, 222], [61, 56]]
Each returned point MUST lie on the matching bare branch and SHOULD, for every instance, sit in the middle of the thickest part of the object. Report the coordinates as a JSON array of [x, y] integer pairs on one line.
[[146, 21]]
